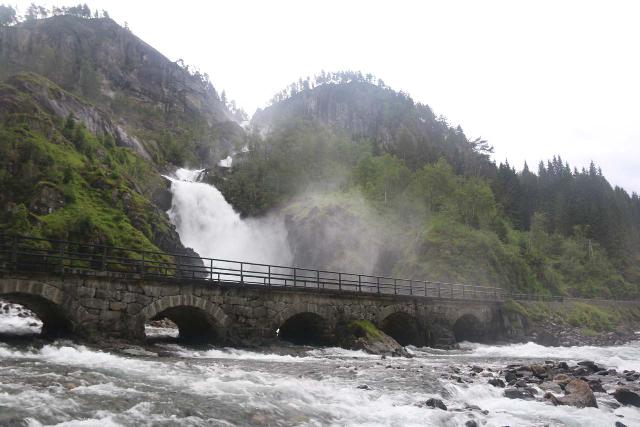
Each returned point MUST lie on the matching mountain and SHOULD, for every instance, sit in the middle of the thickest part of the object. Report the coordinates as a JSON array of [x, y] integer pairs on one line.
[[372, 112], [364, 178], [176, 116], [90, 115]]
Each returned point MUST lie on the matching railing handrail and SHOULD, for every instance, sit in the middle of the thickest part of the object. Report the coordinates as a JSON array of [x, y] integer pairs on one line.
[[273, 275]]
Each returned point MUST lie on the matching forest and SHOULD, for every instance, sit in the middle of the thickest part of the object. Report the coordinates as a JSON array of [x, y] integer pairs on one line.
[[557, 230]]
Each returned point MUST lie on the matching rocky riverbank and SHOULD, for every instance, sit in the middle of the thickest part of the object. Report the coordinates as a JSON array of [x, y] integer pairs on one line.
[[581, 385]]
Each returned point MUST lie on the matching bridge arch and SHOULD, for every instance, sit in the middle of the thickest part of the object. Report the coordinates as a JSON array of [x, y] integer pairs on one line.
[[46, 302], [468, 327], [404, 328], [198, 319], [306, 324]]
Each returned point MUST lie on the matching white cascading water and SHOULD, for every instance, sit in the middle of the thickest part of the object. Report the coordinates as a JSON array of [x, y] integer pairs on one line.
[[210, 226]]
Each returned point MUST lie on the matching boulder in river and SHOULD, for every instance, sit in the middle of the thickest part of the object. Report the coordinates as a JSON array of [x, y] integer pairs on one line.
[[363, 335], [628, 395], [497, 382], [435, 403], [514, 393], [577, 393]]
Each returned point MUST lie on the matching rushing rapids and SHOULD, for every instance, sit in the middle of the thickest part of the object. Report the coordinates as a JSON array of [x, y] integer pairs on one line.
[[68, 384], [63, 383]]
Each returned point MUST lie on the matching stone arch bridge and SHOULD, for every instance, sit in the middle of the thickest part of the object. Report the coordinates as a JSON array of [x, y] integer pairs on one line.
[[93, 291], [231, 314]]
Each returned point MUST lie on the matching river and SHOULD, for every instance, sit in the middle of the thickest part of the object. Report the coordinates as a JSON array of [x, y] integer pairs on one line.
[[67, 384]]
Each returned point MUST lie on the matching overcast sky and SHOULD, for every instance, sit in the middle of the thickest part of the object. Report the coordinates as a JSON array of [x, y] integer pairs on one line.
[[534, 78]]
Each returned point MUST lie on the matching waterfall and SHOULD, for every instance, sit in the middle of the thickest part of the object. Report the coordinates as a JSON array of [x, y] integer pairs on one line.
[[207, 223]]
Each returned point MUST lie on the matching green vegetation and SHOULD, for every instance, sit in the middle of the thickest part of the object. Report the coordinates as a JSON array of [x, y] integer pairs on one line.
[[592, 318], [456, 215], [364, 328], [60, 181]]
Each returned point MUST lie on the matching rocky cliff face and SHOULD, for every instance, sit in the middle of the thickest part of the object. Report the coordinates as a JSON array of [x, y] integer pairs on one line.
[[146, 94], [339, 234]]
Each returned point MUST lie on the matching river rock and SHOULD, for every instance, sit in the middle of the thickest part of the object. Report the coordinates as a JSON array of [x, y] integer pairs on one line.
[[590, 365], [435, 403], [497, 382], [514, 393], [627, 395], [562, 379], [577, 393], [363, 335], [538, 370], [139, 352], [551, 386]]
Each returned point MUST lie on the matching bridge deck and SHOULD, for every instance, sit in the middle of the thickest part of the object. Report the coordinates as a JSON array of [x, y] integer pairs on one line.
[[29, 254]]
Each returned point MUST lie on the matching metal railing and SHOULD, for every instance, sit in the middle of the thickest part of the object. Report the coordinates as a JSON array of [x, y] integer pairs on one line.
[[30, 254]]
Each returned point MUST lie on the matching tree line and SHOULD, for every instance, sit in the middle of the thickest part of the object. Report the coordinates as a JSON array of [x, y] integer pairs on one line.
[[10, 16]]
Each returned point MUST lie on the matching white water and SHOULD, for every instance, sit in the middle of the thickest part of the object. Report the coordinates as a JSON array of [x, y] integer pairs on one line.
[[209, 225], [72, 385], [16, 320]]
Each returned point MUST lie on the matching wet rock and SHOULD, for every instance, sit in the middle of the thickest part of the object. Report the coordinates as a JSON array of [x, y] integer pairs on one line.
[[627, 395], [476, 408], [136, 351], [538, 370], [476, 369], [497, 382], [435, 403], [510, 377], [364, 387], [562, 379], [471, 423], [619, 424], [578, 394], [521, 383], [363, 335], [595, 384], [514, 393], [551, 386]]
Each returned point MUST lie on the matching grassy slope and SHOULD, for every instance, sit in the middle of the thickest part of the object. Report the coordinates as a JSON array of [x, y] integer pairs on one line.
[[93, 178]]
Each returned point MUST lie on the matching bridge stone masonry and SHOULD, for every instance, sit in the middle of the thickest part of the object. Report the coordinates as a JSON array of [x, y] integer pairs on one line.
[[94, 291], [90, 306]]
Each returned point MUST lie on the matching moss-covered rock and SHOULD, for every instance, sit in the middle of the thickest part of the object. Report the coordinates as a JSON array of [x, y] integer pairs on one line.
[[363, 335]]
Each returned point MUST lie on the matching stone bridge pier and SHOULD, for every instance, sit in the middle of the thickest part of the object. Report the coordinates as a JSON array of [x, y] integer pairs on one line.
[[116, 306]]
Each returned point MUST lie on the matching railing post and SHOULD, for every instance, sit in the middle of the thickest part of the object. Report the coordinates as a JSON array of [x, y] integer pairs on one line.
[[340, 281], [378, 282], [295, 276], [463, 296], [318, 279], [269, 275], [104, 258], [211, 270], [14, 252], [359, 283], [62, 259], [411, 287], [395, 286], [242, 273], [425, 289]]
